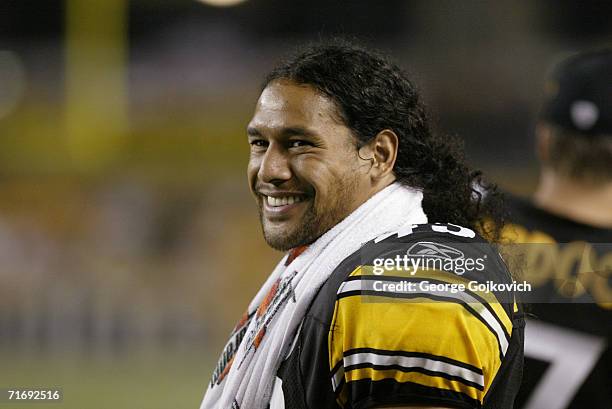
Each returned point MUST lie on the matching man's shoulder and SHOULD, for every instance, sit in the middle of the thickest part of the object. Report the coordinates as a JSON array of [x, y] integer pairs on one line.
[[454, 249], [352, 318], [409, 313]]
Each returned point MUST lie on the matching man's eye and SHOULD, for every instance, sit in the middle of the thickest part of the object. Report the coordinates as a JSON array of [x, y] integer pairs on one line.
[[260, 143], [299, 144]]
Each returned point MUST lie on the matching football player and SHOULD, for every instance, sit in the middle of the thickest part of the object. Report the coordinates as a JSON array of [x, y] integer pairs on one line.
[[569, 222], [348, 176]]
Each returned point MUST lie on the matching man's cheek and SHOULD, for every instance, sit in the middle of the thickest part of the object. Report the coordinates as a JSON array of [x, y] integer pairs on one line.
[[253, 168]]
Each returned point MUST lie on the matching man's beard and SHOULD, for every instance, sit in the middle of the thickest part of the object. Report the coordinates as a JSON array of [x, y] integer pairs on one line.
[[314, 223]]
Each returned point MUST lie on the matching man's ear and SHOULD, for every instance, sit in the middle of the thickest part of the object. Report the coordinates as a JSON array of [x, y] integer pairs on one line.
[[543, 139], [382, 153]]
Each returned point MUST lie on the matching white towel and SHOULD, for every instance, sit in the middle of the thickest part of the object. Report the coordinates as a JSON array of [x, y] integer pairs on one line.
[[288, 292]]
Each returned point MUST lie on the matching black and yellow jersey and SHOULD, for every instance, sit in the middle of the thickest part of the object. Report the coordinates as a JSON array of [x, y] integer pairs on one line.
[[367, 341], [568, 361]]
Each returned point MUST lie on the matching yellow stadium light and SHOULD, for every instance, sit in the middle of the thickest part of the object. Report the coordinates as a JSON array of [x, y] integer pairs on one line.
[[222, 3]]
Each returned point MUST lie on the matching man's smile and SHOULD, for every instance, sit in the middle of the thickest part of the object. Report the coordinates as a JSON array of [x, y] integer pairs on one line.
[[282, 201], [282, 205], [303, 166]]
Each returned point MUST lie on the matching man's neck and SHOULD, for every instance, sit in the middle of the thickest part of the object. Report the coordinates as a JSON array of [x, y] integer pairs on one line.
[[571, 199]]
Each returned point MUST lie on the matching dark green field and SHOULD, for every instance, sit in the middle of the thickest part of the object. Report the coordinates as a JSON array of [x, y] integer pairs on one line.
[[136, 379]]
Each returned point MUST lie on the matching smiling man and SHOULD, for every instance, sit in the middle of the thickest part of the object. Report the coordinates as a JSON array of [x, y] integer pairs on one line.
[[303, 169], [345, 170]]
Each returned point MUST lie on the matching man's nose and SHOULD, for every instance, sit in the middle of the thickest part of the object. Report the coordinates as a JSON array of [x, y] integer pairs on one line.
[[275, 167]]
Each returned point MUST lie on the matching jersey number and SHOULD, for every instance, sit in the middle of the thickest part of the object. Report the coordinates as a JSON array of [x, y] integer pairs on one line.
[[572, 356]]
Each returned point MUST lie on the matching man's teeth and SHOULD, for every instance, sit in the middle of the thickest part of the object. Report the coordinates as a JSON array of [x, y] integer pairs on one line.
[[282, 201]]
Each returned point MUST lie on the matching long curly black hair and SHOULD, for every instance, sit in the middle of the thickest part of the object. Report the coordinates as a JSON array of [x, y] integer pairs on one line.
[[373, 94]]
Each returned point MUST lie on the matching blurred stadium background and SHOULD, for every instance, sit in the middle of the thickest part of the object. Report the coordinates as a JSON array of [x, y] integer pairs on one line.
[[129, 245]]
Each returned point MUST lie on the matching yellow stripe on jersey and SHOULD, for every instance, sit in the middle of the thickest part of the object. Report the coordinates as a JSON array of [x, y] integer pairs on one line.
[[415, 377]]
